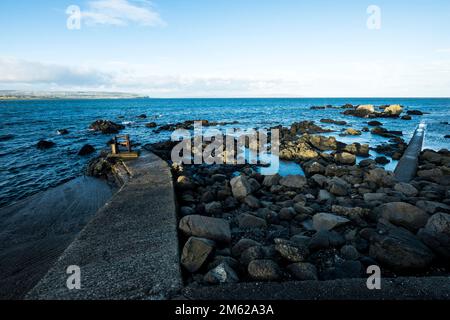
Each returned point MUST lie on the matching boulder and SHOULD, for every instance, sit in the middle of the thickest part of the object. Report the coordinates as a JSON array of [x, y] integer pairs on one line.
[[223, 273], [206, 227], [382, 160], [380, 177], [366, 109], [393, 110], [326, 239], [432, 206], [106, 127], [345, 158], [213, 208], [374, 123], [377, 196], [349, 252], [403, 214], [252, 202], [414, 112], [291, 251], [240, 187], [352, 132], [86, 150], [271, 180], [406, 189], [436, 234], [43, 144], [338, 187], [252, 253], [62, 132], [400, 249], [313, 167], [344, 270], [249, 221], [151, 125], [195, 252], [264, 270], [303, 271], [242, 245], [293, 181], [327, 221]]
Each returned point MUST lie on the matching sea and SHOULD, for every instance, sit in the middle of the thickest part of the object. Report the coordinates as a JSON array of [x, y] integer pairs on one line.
[[25, 170]]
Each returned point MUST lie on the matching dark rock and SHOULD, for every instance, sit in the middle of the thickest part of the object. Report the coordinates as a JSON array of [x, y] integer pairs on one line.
[[293, 181], [62, 132], [303, 271], [242, 245], [400, 249], [325, 240], [43, 144], [151, 125], [406, 117], [264, 270], [6, 137], [106, 127], [142, 116], [327, 221], [249, 221], [374, 123], [436, 234], [252, 253], [349, 252], [337, 122], [206, 227], [414, 112], [86, 150], [291, 251], [382, 160], [403, 214], [195, 252], [344, 270], [223, 273]]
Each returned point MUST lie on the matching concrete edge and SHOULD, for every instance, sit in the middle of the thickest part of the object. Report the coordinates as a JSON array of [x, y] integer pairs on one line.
[[130, 249]]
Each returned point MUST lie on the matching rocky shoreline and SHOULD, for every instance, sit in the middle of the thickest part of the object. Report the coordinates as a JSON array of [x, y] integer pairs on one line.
[[341, 217]]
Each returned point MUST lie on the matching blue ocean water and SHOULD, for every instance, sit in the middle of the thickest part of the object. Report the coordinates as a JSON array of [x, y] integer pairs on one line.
[[25, 170]]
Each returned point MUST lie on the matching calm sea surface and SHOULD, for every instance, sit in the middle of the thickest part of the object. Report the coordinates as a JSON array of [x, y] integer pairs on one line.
[[24, 170]]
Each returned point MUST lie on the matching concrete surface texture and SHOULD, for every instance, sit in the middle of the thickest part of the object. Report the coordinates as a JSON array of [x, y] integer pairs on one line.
[[410, 288], [407, 166], [35, 231], [130, 248]]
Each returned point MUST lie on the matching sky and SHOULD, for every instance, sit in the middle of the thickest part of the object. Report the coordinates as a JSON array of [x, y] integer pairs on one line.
[[228, 48]]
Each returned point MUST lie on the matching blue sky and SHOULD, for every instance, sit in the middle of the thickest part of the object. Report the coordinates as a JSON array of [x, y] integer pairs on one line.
[[228, 48]]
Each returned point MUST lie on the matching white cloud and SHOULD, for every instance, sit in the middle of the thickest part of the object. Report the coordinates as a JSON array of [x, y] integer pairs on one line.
[[121, 13]]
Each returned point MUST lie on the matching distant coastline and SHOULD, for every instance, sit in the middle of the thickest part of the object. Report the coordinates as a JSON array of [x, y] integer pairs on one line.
[[15, 95]]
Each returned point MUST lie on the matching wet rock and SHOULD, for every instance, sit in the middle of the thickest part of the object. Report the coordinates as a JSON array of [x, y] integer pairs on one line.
[[349, 252], [403, 214], [382, 160], [301, 209], [313, 167], [345, 158], [240, 187], [324, 196], [291, 251], [185, 211], [327, 221], [436, 234], [303, 271], [242, 245], [271, 180], [287, 213], [352, 132], [338, 187], [43, 144], [357, 149], [252, 202], [86, 150], [393, 110], [308, 127], [377, 196], [337, 122], [206, 227], [62, 132], [406, 189], [195, 253], [406, 117], [326, 239], [98, 167], [213, 208], [400, 249], [293, 181], [319, 179], [151, 125], [142, 116], [361, 111], [414, 112], [252, 253], [264, 270], [432, 206], [374, 123], [249, 221], [184, 183], [223, 273], [344, 270], [380, 177], [106, 127]]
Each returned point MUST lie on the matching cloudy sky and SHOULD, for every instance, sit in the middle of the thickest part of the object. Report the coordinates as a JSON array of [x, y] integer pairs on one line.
[[227, 48]]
